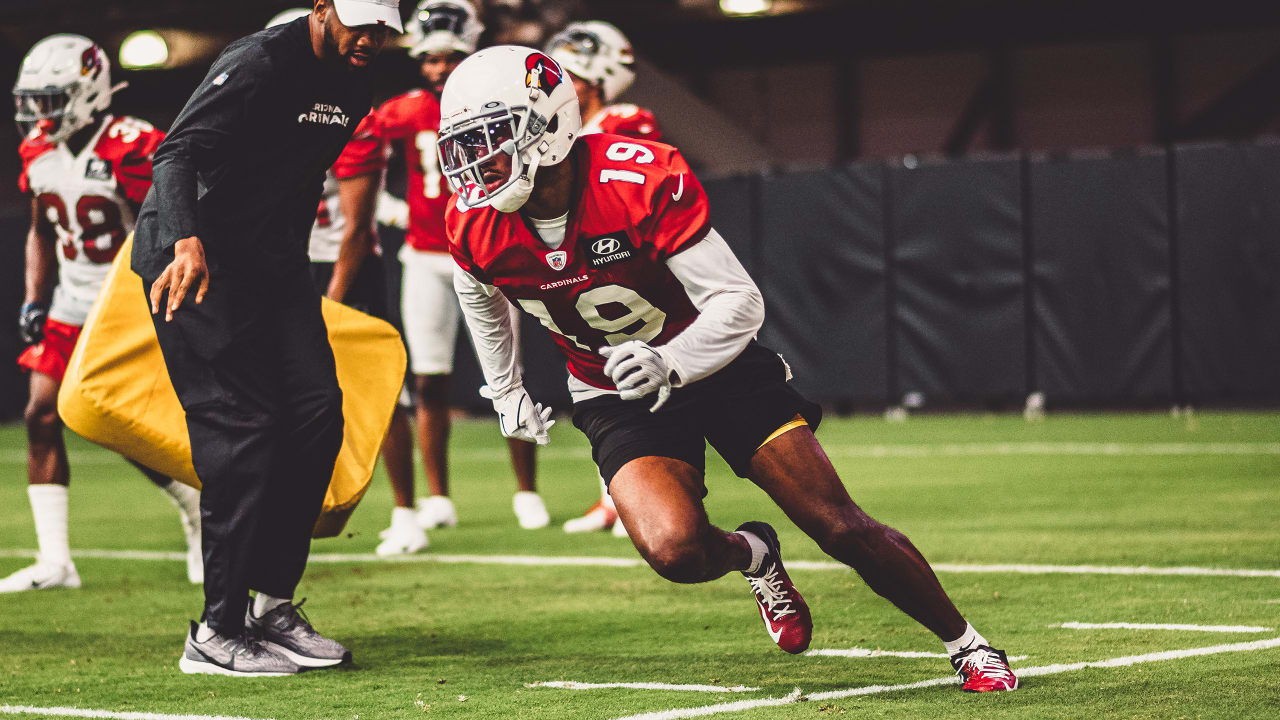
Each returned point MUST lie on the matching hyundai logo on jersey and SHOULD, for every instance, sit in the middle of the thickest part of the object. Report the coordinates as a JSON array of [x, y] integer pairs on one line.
[[607, 250]]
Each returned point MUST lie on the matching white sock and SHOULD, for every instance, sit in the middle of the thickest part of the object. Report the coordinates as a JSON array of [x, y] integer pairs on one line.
[[186, 498], [264, 603], [970, 639], [605, 497], [204, 632], [758, 551], [49, 508], [403, 517]]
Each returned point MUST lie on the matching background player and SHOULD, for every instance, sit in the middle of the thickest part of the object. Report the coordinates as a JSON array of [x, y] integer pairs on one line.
[[346, 264], [611, 249], [87, 172], [598, 59], [442, 33]]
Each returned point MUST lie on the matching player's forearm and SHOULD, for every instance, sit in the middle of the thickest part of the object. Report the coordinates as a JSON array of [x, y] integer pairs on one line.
[[730, 310], [357, 244], [41, 268], [489, 322]]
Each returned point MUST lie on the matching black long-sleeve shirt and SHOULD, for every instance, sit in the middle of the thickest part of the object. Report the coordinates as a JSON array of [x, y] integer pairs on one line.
[[243, 165]]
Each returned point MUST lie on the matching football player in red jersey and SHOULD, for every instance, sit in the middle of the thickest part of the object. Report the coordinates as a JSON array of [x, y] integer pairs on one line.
[[87, 172], [442, 33], [598, 59], [611, 249]]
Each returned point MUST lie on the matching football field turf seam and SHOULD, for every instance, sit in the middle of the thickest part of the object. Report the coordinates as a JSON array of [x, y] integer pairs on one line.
[[622, 562], [572, 685], [109, 714], [798, 696], [96, 456], [868, 653]]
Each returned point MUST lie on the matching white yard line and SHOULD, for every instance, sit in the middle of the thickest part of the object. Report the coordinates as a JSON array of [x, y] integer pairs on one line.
[[571, 685], [87, 713], [1164, 626], [868, 653], [796, 695], [624, 562], [93, 456]]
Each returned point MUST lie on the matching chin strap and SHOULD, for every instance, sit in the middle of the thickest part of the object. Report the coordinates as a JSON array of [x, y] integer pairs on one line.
[[514, 196]]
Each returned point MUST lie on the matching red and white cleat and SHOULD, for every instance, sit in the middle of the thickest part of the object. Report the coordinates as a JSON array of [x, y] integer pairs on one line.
[[785, 613], [598, 517], [984, 669]]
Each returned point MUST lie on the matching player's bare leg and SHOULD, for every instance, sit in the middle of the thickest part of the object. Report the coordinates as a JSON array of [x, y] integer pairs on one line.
[[47, 476], [404, 535], [660, 501], [432, 396], [796, 473]]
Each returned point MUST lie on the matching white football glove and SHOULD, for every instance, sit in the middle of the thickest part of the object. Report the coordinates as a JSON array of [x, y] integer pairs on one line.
[[391, 211], [638, 370], [518, 416]]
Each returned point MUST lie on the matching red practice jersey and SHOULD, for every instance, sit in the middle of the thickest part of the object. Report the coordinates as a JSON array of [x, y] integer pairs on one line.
[[412, 121], [632, 121], [636, 205]]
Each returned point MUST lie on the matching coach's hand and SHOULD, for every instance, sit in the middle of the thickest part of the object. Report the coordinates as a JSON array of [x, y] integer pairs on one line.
[[519, 416], [188, 269], [638, 370]]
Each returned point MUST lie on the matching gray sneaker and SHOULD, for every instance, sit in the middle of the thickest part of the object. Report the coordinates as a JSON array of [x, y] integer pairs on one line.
[[287, 631], [242, 656]]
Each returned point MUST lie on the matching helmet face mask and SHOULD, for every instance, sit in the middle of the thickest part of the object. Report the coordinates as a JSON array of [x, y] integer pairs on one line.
[[64, 80], [505, 111]]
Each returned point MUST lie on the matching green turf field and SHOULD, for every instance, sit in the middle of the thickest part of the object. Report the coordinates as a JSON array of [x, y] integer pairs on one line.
[[471, 636]]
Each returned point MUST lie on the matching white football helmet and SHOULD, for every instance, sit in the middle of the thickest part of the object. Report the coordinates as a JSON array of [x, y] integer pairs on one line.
[[443, 26], [63, 81], [286, 16], [596, 52], [505, 99]]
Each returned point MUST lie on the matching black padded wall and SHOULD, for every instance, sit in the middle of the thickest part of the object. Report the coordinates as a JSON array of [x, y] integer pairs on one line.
[[823, 277], [1101, 278], [956, 240], [1228, 250]]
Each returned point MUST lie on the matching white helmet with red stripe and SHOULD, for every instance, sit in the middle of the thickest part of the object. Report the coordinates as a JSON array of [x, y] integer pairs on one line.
[[505, 99], [63, 81], [596, 52]]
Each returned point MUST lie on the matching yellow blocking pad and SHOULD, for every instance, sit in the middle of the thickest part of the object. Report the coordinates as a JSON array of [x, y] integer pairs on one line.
[[117, 391]]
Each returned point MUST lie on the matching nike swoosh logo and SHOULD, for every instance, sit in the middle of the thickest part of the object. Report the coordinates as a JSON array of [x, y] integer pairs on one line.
[[768, 626], [679, 193]]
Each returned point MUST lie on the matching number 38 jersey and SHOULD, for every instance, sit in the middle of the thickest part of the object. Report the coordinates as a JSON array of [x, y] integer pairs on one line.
[[636, 205], [86, 199]]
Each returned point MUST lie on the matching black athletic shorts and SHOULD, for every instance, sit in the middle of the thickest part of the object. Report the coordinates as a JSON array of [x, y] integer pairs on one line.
[[736, 409], [368, 292]]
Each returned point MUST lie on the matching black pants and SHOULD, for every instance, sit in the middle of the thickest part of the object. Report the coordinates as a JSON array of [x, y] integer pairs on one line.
[[254, 371]]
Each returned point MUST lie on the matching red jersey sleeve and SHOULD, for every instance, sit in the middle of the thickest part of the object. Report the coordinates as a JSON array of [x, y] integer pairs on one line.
[[395, 117], [679, 214], [29, 150], [364, 154], [133, 171], [458, 226], [631, 121]]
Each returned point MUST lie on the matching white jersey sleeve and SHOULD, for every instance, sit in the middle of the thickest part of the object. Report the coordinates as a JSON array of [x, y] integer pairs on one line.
[[489, 319]]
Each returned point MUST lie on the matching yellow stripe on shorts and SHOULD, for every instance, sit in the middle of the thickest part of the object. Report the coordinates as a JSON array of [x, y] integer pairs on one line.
[[795, 422]]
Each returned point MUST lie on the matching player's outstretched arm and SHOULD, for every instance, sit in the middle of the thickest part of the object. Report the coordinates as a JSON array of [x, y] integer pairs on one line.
[[489, 322]]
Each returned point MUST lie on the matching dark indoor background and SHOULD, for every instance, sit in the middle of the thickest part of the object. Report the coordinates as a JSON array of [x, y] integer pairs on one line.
[[966, 199]]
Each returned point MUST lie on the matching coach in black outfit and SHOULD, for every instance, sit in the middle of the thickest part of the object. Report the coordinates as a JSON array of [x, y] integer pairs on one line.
[[221, 245]]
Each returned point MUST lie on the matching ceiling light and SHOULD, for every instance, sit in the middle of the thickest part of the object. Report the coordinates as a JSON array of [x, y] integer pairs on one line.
[[745, 7], [144, 49]]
